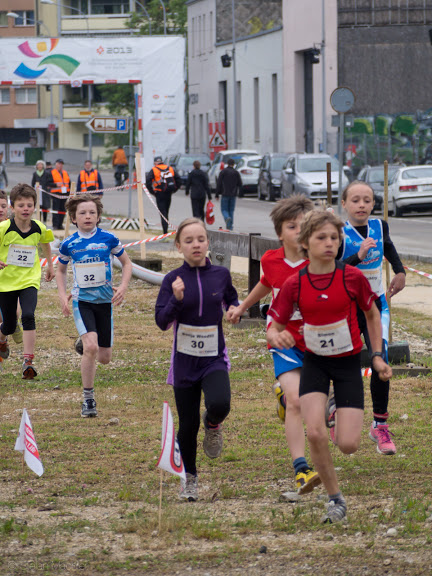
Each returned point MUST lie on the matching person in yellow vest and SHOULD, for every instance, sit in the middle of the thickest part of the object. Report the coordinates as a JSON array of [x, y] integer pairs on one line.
[[58, 183], [162, 181], [89, 180]]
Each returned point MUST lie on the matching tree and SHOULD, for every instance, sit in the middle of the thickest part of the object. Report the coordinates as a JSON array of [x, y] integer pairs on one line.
[[176, 18]]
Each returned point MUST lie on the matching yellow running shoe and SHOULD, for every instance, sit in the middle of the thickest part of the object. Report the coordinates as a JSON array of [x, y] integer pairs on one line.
[[18, 334], [281, 403], [307, 480]]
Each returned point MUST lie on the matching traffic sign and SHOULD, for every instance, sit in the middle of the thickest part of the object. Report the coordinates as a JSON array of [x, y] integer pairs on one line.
[[106, 124], [217, 140], [52, 127], [342, 99]]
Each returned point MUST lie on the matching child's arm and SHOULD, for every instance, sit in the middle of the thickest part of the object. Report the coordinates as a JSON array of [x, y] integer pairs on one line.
[[169, 302], [398, 282], [373, 320], [49, 274], [126, 276], [61, 277], [279, 337], [260, 291]]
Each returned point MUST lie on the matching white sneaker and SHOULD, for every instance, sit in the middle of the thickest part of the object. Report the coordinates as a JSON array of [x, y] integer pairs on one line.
[[189, 488]]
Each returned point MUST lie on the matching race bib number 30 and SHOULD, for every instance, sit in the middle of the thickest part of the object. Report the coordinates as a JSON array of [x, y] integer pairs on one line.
[[21, 255], [197, 340], [90, 275], [328, 340]]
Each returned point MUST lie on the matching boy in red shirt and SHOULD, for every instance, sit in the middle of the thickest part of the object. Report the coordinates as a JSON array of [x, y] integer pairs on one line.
[[327, 294], [277, 266]]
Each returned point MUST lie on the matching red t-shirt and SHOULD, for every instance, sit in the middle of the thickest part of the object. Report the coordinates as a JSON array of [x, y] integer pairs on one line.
[[326, 300], [276, 270]]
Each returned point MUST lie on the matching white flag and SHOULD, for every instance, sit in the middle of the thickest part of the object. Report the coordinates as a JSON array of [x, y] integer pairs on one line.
[[26, 443], [170, 458]]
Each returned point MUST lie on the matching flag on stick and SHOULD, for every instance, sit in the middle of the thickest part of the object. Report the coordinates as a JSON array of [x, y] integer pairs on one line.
[[26, 443], [170, 458]]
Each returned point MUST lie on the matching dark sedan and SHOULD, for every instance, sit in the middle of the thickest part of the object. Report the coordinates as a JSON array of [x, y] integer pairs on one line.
[[269, 180], [374, 176], [183, 164]]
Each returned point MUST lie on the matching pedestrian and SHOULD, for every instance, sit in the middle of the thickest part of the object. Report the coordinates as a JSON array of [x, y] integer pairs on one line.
[[191, 299], [365, 245], [3, 174], [327, 293], [162, 181], [198, 184], [277, 266], [40, 176], [89, 179], [90, 250], [120, 164], [58, 183], [229, 185], [20, 271]]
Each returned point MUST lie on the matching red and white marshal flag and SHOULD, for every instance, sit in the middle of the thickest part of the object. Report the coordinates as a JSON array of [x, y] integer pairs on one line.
[[170, 458], [26, 443]]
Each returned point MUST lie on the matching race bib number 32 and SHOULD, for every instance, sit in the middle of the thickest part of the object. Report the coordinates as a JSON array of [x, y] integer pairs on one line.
[[90, 275], [21, 255], [197, 340]]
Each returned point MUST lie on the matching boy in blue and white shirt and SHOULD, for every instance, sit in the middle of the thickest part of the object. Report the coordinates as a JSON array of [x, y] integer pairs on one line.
[[91, 250]]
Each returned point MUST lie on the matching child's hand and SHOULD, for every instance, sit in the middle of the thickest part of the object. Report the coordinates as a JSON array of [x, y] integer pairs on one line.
[[396, 285], [178, 288], [365, 246], [384, 370], [2, 265], [282, 339], [119, 294], [49, 274], [234, 314], [64, 302]]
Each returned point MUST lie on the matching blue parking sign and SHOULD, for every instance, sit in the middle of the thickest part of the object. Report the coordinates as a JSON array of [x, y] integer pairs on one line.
[[121, 125]]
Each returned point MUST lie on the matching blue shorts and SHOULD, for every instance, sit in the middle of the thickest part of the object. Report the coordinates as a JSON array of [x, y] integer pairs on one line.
[[286, 359]]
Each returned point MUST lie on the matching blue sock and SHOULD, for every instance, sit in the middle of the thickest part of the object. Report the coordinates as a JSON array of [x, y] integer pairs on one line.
[[300, 463]]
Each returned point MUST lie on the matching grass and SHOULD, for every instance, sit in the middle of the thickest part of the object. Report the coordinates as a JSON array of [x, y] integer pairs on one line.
[[102, 484]]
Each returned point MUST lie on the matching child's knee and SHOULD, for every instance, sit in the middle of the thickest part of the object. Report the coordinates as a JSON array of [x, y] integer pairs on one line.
[[28, 322]]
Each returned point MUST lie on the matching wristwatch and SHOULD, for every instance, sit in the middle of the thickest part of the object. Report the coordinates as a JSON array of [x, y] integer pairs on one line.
[[379, 354]]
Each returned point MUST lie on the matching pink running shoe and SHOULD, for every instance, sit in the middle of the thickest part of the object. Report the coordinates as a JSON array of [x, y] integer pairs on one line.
[[381, 435]]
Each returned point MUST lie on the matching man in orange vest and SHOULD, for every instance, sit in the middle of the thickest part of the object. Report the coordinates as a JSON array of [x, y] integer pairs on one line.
[[162, 181], [58, 183], [89, 180], [120, 164]]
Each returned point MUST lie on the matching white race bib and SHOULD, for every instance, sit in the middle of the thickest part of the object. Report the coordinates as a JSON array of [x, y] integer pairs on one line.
[[328, 340], [199, 341], [90, 274], [63, 190], [375, 279], [21, 255]]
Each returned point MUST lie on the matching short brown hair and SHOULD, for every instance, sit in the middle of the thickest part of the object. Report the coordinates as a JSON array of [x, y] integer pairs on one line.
[[185, 223], [22, 191], [3, 195], [197, 164], [74, 201], [290, 209], [314, 221], [355, 183]]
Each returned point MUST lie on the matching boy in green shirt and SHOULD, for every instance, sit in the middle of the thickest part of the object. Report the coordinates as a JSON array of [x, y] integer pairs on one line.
[[20, 271]]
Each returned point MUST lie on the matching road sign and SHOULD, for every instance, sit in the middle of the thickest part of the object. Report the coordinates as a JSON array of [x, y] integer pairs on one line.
[[217, 140], [52, 128], [108, 124], [342, 99]]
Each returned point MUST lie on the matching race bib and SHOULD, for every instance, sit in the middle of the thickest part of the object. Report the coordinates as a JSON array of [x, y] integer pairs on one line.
[[375, 279], [90, 274], [21, 255], [199, 341], [63, 190], [328, 340]]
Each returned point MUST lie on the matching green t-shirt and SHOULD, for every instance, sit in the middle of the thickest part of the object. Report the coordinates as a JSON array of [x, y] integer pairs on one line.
[[19, 250]]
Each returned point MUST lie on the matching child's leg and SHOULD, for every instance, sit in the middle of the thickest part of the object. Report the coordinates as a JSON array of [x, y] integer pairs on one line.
[[28, 302], [294, 431], [88, 361], [8, 304], [188, 402], [217, 397]]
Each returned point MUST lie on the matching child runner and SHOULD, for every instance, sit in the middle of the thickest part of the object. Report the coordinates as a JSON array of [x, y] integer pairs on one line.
[[90, 250], [191, 299], [277, 266], [366, 242], [327, 293], [20, 271]]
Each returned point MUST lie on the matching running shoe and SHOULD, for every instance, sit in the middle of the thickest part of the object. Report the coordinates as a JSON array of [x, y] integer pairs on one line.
[[336, 512], [28, 370], [88, 409], [4, 350], [189, 488], [79, 348], [307, 480], [330, 416], [18, 334], [381, 436], [213, 439], [281, 401]]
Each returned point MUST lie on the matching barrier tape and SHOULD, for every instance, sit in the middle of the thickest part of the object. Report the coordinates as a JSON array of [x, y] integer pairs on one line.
[[366, 372], [101, 191], [425, 274], [155, 205]]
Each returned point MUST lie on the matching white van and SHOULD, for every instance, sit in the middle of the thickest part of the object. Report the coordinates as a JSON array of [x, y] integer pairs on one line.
[[220, 161]]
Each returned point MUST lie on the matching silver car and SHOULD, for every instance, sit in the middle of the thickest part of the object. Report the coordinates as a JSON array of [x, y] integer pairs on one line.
[[307, 174], [410, 189]]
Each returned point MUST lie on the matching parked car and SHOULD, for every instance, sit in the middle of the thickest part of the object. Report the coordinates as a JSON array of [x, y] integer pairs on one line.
[[307, 174], [374, 176], [183, 164], [410, 189], [269, 181], [220, 161], [249, 168]]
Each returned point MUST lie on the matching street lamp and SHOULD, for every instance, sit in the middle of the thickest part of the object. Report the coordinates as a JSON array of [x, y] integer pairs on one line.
[[164, 12], [144, 9], [51, 2], [14, 15]]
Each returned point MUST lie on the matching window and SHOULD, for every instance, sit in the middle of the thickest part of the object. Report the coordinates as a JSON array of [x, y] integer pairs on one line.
[[25, 18], [102, 7], [25, 96], [3, 19], [5, 96], [199, 36], [204, 34], [256, 110], [97, 140], [193, 38], [275, 120]]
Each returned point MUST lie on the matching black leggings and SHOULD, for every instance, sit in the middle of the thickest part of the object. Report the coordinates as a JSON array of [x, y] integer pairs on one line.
[[8, 305], [163, 201], [217, 400]]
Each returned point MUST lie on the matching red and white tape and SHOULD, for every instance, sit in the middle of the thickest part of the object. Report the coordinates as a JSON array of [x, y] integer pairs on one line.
[[425, 274], [366, 372]]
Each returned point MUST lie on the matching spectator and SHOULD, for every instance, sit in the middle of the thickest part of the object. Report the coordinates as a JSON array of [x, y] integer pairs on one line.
[[89, 179], [162, 181], [40, 176], [120, 163], [3, 175], [58, 183], [229, 185], [198, 184]]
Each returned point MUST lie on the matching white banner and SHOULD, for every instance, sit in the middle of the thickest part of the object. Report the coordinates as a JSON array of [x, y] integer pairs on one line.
[[26, 443], [170, 458]]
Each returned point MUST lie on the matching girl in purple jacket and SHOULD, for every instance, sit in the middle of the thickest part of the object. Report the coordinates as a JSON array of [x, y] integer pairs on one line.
[[191, 299]]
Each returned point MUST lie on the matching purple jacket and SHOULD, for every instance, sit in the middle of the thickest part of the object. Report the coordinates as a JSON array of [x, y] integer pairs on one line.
[[207, 289]]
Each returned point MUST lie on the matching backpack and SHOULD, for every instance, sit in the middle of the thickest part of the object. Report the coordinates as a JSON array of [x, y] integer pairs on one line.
[[166, 182]]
